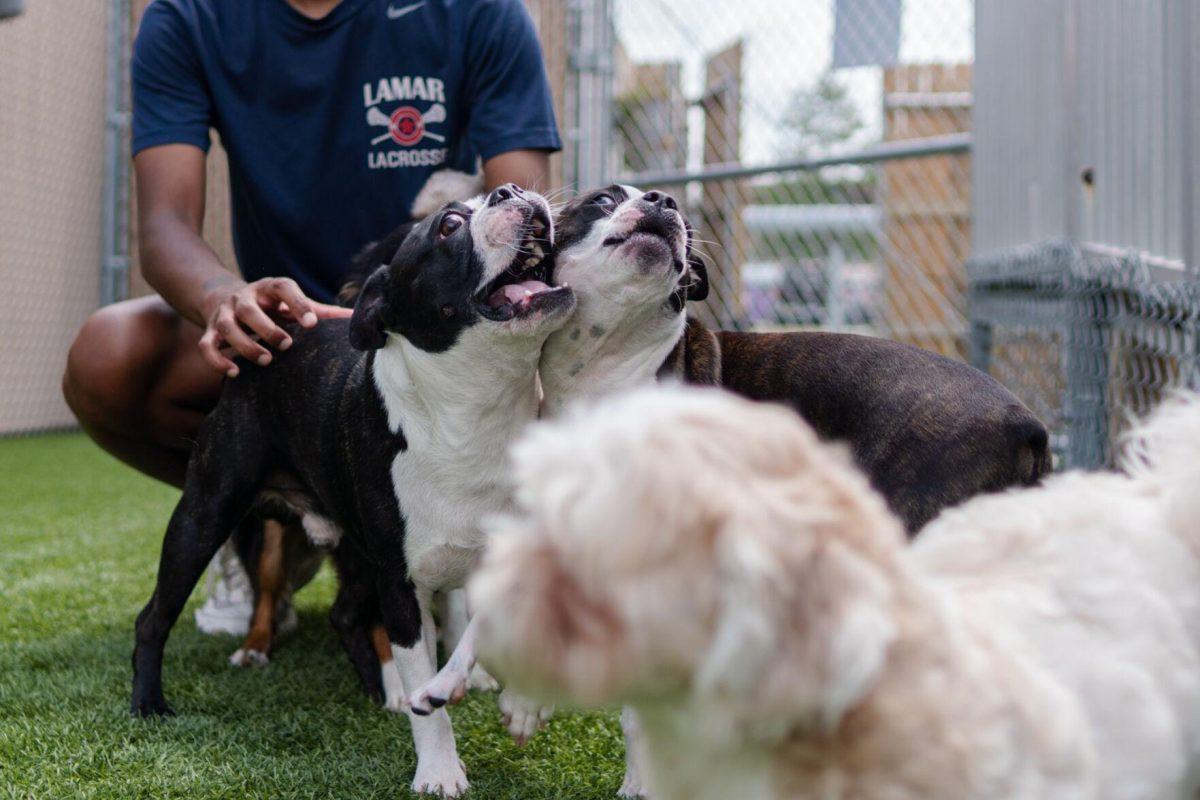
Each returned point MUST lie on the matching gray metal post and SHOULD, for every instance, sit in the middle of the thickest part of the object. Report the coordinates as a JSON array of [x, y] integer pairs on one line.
[[114, 258], [980, 342], [591, 61], [1086, 364]]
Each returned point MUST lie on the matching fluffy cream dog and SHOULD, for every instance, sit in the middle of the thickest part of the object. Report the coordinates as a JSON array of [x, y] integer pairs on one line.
[[709, 562]]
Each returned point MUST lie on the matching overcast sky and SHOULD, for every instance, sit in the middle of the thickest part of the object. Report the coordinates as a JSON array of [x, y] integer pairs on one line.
[[788, 44]]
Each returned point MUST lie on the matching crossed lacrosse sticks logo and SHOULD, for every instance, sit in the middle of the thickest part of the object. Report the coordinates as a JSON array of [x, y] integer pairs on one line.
[[406, 125]]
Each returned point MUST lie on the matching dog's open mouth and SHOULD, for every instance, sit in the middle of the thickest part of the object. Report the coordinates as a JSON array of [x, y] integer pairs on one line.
[[524, 287]]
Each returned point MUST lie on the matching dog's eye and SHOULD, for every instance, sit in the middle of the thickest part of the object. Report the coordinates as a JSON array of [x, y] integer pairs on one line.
[[603, 200], [450, 224]]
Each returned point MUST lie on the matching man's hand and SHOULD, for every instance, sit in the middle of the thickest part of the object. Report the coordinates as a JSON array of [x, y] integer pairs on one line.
[[235, 312]]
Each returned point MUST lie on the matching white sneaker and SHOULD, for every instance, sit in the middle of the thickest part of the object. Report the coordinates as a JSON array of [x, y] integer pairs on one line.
[[230, 601]]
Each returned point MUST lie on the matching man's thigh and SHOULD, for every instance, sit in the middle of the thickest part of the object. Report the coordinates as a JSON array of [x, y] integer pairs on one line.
[[138, 384]]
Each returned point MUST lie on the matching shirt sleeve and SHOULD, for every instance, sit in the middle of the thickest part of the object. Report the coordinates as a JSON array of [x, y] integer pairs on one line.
[[171, 103], [508, 95]]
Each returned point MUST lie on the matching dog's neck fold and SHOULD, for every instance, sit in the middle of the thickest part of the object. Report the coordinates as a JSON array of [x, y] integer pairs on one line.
[[606, 347]]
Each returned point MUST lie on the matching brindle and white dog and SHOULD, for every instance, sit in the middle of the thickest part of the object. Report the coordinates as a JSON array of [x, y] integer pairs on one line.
[[395, 426]]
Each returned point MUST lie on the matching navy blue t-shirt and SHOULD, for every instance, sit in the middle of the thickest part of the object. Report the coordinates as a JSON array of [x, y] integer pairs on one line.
[[333, 125]]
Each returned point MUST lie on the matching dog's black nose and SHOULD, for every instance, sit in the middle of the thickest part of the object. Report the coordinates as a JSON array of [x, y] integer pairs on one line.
[[506, 192], [661, 199]]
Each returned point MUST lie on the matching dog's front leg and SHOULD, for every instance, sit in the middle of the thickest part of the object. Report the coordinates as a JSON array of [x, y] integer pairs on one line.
[[455, 615], [439, 770], [633, 785], [451, 683]]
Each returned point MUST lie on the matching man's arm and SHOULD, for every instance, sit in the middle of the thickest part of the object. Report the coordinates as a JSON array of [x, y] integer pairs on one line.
[[178, 263], [529, 169]]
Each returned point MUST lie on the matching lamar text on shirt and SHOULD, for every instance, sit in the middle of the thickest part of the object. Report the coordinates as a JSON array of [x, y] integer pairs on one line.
[[404, 88]]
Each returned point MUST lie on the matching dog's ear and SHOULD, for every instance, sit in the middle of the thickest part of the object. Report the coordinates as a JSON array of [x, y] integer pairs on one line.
[[696, 282], [368, 325], [692, 286], [804, 624]]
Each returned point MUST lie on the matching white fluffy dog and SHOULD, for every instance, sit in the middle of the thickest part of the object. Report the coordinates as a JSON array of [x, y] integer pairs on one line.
[[709, 562]]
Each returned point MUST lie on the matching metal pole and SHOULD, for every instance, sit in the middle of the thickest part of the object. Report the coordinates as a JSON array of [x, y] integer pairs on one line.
[[114, 258], [591, 61], [835, 312], [946, 144]]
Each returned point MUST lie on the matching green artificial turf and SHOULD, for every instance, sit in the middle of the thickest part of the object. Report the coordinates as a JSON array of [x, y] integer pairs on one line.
[[79, 544]]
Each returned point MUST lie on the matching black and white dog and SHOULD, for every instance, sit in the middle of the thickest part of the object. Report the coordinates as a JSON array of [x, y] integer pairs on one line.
[[396, 424]]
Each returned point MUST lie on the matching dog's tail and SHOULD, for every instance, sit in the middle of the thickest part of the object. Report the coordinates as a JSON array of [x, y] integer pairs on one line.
[[446, 186], [1164, 450], [1032, 443]]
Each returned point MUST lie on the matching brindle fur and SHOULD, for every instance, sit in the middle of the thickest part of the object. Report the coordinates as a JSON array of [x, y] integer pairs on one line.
[[929, 431]]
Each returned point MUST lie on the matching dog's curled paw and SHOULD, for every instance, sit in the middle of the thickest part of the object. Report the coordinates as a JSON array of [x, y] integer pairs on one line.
[[448, 686]]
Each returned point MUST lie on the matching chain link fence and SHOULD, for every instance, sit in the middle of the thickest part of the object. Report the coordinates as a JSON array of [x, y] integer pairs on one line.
[[819, 148], [825, 152], [1088, 337]]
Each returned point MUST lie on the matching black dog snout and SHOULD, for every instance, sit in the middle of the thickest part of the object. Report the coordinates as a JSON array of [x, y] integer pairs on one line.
[[661, 200], [506, 192]]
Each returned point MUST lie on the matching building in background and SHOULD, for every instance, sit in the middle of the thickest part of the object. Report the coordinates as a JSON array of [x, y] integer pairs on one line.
[[1084, 282]]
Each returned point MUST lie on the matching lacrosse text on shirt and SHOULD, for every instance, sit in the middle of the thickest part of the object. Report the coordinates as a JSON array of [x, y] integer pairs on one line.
[[399, 113]]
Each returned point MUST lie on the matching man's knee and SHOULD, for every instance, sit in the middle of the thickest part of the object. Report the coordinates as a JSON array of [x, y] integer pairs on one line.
[[112, 358]]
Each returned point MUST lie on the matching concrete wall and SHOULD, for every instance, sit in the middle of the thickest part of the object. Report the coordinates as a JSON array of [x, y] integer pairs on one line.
[[51, 174]]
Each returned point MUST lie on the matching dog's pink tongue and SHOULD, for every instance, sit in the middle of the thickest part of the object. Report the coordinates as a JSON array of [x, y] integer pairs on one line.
[[514, 293]]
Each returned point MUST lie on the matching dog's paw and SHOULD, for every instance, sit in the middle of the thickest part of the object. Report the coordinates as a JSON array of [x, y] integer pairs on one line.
[[481, 681], [522, 717], [149, 704], [632, 787], [397, 703], [394, 698], [441, 777], [448, 686], [248, 657]]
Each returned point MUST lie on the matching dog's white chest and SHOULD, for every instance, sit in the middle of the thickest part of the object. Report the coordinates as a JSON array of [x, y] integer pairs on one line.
[[443, 497], [452, 473]]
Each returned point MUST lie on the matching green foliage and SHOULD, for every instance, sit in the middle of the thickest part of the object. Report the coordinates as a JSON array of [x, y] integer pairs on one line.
[[79, 544], [818, 118]]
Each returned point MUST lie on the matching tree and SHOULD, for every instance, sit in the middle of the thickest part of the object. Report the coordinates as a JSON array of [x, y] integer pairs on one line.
[[817, 118]]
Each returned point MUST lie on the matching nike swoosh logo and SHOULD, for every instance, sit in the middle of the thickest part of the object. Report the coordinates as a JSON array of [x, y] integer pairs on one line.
[[397, 13]]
